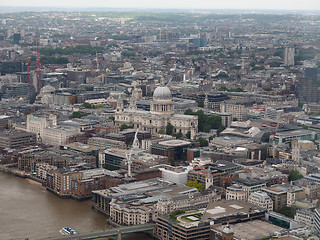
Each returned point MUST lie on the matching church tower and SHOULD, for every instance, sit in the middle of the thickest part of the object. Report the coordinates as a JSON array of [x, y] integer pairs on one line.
[[206, 102], [119, 105]]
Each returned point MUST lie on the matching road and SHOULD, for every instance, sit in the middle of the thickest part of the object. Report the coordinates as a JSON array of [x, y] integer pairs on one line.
[[108, 233]]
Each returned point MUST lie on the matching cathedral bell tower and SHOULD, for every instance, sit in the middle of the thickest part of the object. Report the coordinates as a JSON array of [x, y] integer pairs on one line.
[[119, 105]]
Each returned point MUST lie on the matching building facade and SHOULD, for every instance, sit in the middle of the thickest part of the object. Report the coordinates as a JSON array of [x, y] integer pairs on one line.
[[261, 199], [243, 188], [288, 56], [161, 113], [317, 220]]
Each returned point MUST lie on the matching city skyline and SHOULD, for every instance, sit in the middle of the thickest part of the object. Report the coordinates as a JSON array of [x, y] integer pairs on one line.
[[177, 4]]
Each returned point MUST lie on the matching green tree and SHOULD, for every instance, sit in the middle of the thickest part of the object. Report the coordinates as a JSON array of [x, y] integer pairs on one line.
[[161, 131], [205, 123], [236, 68], [223, 88], [83, 49], [300, 104], [236, 89], [222, 75], [275, 64], [200, 103], [128, 54], [294, 175], [188, 135], [125, 126], [188, 112], [169, 129], [288, 211], [101, 105], [220, 129], [87, 105], [203, 142], [195, 184], [174, 214], [267, 89], [178, 135], [78, 114]]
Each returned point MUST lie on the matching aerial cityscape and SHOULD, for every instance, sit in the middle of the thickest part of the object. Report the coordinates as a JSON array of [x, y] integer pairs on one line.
[[166, 122]]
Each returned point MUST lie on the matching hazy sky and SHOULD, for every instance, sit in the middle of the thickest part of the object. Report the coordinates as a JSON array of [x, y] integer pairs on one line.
[[203, 4]]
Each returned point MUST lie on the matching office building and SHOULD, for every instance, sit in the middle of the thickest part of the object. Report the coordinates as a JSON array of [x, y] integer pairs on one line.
[[261, 199], [281, 220], [59, 181], [141, 202], [48, 131], [15, 139], [288, 56], [309, 86], [317, 220], [278, 196], [168, 229], [242, 189]]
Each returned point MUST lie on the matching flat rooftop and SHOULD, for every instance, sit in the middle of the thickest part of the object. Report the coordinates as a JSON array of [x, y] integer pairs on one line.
[[293, 133], [81, 147], [99, 171], [122, 153], [252, 230], [227, 208]]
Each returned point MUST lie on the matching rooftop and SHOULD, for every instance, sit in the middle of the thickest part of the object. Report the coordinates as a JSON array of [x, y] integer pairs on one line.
[[252, 230], [174, 143], [225, 208]]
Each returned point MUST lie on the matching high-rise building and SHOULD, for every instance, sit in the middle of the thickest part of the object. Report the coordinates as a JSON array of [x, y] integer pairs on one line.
[[309, 85], [16, 38], [317, 220], [288, 56]]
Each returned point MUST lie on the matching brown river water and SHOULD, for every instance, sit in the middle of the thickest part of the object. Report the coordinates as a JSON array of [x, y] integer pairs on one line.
[[28, 210]]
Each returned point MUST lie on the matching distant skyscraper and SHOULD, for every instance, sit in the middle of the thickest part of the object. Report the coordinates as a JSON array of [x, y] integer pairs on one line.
[[16, 38], [309, 86], [288, 56]]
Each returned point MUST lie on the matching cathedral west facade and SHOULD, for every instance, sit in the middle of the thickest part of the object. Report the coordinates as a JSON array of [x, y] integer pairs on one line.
[[161, 113]]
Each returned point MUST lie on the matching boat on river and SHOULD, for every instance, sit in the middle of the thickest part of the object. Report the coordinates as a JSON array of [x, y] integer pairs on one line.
[[67, 231]]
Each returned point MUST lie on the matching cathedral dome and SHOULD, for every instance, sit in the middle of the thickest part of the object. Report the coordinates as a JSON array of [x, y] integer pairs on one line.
[[162, 93]]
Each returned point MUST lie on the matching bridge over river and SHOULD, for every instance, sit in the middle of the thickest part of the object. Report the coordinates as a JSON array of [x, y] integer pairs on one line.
[[115, 233]]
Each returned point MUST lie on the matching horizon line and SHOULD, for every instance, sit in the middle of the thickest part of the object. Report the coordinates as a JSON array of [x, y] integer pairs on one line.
[[164, 9]]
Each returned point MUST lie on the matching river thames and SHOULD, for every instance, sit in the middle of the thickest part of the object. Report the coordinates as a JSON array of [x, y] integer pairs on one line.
[[28, 210]]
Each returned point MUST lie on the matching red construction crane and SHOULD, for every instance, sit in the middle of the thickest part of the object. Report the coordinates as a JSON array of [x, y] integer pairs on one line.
[[28, 68], [38, 73]]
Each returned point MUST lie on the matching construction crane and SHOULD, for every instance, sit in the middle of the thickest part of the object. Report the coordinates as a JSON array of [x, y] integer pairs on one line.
[[274, 141], [38, 73], [28, 68], [128, 156]]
